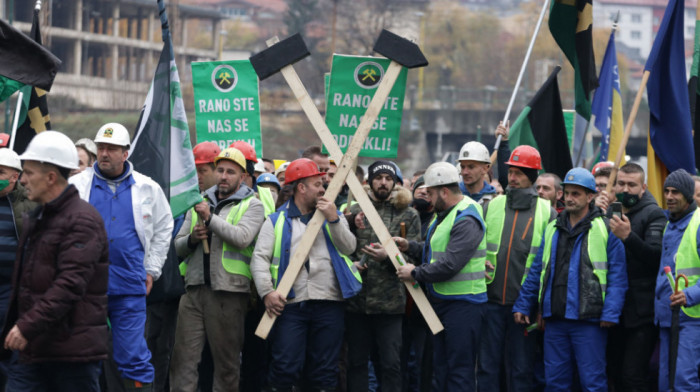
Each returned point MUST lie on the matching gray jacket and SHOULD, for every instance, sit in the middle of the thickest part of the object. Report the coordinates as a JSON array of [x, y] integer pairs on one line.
[[240, 236]]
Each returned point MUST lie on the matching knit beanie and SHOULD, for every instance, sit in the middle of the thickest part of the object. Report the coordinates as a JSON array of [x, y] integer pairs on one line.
[[681, 180], [380, 167], [530, 173], [419, 182]]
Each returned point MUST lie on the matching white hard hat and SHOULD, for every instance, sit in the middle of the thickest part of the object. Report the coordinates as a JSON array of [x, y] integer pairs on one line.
[[87, 144], [259, 166], [52, 147], [474, 151], [113, 133], [440, 173], [10, 158]]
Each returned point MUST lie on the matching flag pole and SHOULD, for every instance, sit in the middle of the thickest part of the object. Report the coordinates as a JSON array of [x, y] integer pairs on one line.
[[15, 120], [628, 130], [520, 77]]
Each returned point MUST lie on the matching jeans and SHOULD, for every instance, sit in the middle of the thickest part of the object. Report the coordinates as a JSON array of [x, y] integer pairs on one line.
[[54, 377], [307, 337]]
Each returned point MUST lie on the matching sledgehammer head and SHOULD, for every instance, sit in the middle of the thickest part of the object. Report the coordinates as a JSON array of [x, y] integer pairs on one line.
[[399, 49], [273, 59]]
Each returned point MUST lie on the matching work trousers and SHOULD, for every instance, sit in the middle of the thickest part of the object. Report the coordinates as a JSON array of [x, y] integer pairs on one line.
[[127, 316], [54, 377], [502, 338], [569, 343], [383, 331], [688, 360], [214, 316], [307, 337], [629, 352], [456, 347]]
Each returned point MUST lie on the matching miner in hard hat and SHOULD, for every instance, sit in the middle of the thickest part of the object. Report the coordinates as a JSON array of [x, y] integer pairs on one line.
[[139, 226], [57, 317], [87, 154], [453, 256], [515, 223], [218, 281], [204, 155], [309, 330], [576, 285]]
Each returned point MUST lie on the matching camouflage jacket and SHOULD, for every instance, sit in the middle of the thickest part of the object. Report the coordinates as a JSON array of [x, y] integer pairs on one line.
[[382, 292]]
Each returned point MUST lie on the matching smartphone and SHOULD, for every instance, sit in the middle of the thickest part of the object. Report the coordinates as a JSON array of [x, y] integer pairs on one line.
[[616, 209]]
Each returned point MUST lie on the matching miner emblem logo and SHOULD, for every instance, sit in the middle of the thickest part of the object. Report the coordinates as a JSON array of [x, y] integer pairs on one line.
[[368, 74], [108, 132], [224, 78]]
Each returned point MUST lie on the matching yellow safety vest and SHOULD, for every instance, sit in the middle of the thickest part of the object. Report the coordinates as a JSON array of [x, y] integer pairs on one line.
[[688, 261], [268, 201]]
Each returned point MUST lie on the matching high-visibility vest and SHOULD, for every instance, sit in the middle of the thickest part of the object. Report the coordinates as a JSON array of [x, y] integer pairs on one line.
[[345, 205], [470, 279], [350, 284], [233, 259], [268, 201], [688, 261], [597, 253], [495, 218]]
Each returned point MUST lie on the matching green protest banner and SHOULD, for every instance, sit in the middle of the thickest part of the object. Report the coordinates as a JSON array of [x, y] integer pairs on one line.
[[227, 103], [354, 80]]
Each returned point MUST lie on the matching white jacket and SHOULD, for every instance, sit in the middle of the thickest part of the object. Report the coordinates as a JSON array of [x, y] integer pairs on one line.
[[152, 216]]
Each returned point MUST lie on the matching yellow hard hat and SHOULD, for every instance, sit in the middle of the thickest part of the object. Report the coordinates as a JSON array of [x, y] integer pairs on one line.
[[233, 155]]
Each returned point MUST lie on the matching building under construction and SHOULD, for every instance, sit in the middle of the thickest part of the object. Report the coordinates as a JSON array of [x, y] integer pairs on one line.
[[110, 48]]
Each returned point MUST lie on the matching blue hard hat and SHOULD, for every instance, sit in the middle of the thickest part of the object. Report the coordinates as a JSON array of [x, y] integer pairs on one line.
[[267, 178], [581, 177], [399, 176]]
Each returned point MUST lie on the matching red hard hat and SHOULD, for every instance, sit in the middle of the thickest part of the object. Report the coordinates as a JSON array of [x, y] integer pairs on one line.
[[247, 150], [525, 156], [205, 152], [601, 165], [4, 139], [301, 168]]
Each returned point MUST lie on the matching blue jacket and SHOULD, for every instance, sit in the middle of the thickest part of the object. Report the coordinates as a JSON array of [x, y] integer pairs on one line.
[[349, 286], [488, 189], [616, 286], [662, 303]]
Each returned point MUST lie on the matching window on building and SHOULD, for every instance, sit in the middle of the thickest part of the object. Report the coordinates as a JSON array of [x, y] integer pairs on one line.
[[636, 34], [636, 18]]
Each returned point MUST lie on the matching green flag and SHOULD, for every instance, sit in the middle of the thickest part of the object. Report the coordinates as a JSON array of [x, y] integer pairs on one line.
[[571, 25], [541, 125]]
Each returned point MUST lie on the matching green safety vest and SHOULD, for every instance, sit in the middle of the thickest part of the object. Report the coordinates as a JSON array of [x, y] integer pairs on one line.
[[268, 201], [688, 261], [597, 252], [275, 264], [495, 218], [345, 205], [234, 260], [470, 279]]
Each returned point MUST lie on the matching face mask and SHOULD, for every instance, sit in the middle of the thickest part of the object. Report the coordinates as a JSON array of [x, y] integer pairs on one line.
[[4, 184], [627, 200], [421, 205]]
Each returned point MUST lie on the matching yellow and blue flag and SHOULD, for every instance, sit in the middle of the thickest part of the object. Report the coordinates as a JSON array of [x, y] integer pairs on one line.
[[670, 129], [606, 109]]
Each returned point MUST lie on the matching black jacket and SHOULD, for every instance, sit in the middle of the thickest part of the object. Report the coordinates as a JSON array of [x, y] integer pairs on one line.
[[643, 253]]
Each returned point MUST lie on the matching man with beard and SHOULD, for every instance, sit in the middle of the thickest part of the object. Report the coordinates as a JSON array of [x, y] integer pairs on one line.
[[308, 332], [640, 229], [218, 282], [139, 226], [680, 253], [453, 256], [375, 315], [515, 223], [578, 280]]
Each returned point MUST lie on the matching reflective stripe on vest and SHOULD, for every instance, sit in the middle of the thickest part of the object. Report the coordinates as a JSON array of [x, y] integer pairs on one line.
[[597, 253], [688, 261], [233, 259], [277, 251], [495, 218], [268, 201], [470, 279]]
